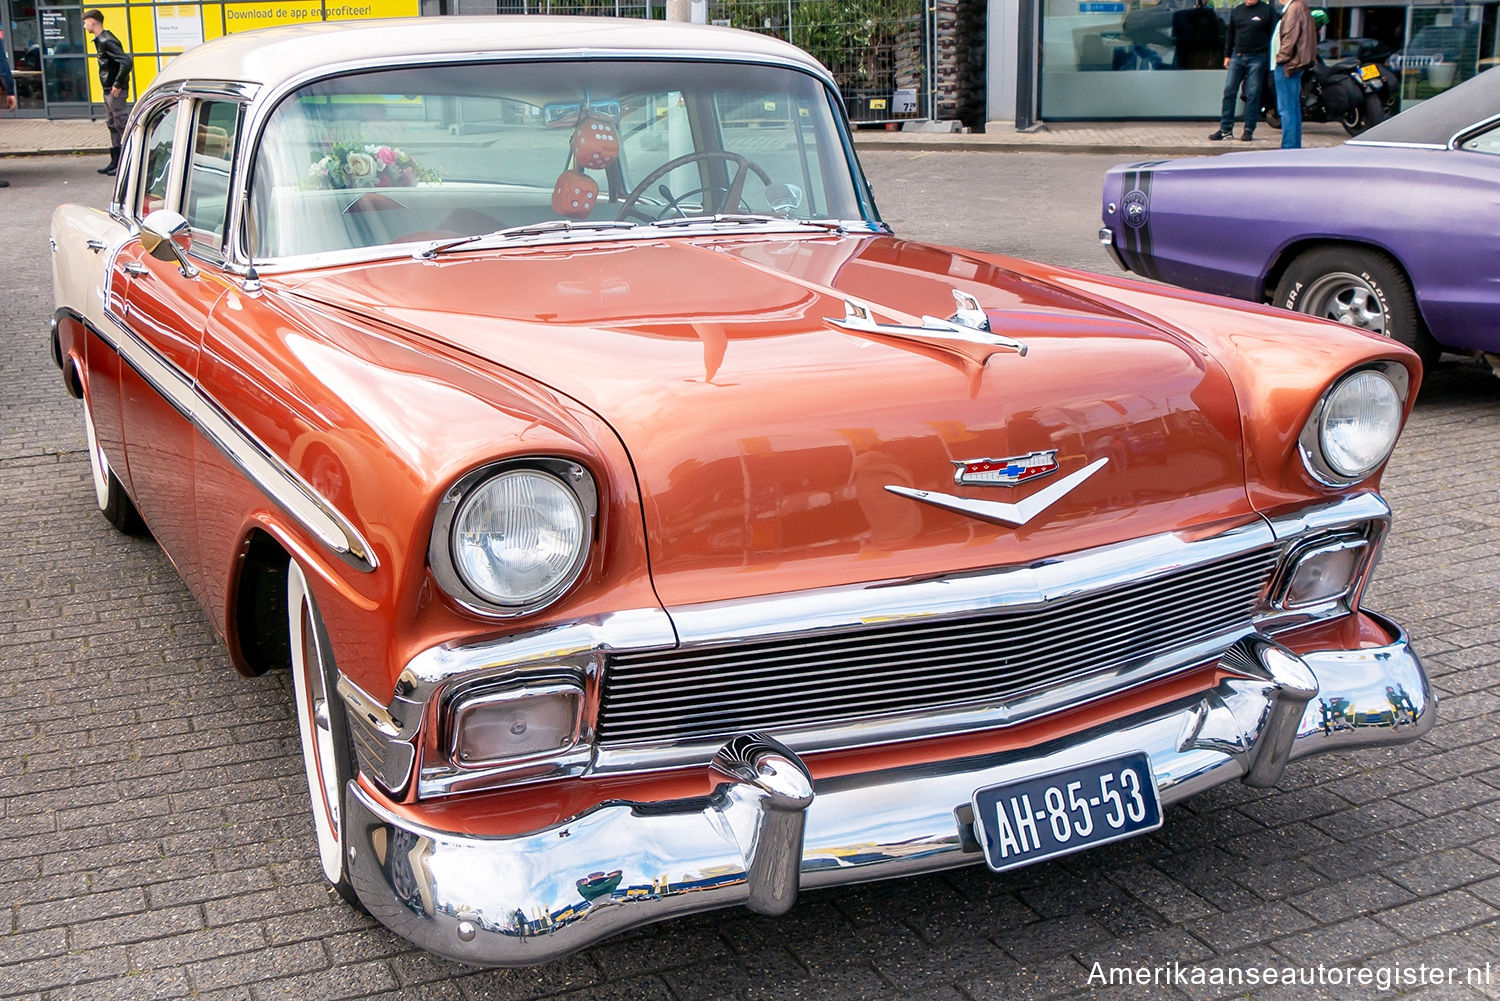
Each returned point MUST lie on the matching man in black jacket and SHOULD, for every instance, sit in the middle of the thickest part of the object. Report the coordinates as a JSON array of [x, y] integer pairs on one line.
[[114, 77], [1247, 45]]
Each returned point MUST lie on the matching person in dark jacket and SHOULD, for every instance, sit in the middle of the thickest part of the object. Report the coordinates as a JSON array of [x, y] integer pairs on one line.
[[1246, 46], [7, 84], [114, 77], [1294, 49]]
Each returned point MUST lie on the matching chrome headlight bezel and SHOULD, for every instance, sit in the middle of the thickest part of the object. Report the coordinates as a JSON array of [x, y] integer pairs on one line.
[[1311, 443], [571, 475]]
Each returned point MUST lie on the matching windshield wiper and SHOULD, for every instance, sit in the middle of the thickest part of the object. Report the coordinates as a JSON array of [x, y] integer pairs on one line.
[[534, 229], [745, 219]]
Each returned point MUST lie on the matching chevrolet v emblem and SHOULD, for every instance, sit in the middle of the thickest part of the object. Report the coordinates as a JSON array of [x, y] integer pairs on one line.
[[1016, 514]]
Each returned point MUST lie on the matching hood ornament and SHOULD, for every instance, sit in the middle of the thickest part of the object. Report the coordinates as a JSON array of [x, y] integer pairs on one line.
[[1005, 472], [1016, 514], [969, 325]]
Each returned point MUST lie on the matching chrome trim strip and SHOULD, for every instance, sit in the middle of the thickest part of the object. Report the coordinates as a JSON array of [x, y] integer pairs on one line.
[[1393, 145], [516, 900], [267, 471], [218, 90]]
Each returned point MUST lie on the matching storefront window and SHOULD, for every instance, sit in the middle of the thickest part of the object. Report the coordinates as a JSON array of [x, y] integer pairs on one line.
[[1132, 58], [1446, 46]]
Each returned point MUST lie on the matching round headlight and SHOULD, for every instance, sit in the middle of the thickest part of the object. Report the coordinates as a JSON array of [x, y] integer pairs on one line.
[[519, 537], [1359, 424]]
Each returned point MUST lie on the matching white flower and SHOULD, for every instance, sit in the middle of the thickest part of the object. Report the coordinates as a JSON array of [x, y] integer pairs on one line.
[[360, 168]]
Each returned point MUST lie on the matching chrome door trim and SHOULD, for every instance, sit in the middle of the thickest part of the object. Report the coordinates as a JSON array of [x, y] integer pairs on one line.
[[277, 480]]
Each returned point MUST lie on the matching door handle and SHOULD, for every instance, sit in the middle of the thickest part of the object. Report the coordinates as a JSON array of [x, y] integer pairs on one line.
[[136, 270]]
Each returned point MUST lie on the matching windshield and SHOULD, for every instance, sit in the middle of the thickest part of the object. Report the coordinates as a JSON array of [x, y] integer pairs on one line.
[[434, 153]]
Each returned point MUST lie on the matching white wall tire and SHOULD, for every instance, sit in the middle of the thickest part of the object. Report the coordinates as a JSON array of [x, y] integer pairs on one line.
[[109, 493], [323, 727]]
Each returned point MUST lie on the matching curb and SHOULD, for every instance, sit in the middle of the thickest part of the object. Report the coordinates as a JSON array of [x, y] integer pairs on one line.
[[1050, 147]]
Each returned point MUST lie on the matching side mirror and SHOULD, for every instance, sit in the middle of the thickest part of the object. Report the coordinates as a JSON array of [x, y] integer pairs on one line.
[[166, 235]]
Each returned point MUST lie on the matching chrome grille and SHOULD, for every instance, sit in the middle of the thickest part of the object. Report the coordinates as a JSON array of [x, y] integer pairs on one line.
[[836, 677]]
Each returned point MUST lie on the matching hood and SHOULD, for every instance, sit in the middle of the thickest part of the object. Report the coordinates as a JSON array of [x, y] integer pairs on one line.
[[775, 450]]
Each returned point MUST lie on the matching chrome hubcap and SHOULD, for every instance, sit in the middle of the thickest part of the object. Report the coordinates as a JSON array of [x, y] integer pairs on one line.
[[1348, 299], [308, 681]]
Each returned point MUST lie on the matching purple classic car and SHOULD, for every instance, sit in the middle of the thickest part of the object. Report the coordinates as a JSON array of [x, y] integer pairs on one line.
[[1394, 231]]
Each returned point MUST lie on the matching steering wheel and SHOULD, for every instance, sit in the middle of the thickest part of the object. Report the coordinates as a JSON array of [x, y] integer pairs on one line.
[[731, 196]]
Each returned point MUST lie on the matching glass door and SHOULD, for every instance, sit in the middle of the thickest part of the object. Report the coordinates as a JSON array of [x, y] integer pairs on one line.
[[24, 46], [64, 60]]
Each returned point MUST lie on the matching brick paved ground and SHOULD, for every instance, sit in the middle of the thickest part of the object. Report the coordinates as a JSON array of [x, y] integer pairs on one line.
[[155, 844]]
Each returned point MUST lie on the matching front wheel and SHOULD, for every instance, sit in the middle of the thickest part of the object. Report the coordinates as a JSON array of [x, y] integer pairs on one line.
[[324, 728], [1358, 288]]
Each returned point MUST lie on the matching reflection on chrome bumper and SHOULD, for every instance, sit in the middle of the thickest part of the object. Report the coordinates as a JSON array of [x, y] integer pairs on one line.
[[765, 831]]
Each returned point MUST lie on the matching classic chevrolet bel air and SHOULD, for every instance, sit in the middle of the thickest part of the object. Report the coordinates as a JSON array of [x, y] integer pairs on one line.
[[648, 529]]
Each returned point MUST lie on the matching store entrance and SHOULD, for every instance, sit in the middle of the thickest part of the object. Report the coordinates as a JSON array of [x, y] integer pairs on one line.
[[49, 56]]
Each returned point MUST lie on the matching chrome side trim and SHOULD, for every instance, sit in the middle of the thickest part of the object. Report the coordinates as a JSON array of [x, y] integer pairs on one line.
[[234, 90], [266, 470], [518, 900], [1393, 145]]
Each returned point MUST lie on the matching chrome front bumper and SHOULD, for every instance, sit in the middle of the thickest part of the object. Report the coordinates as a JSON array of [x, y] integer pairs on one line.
[[768, 829]]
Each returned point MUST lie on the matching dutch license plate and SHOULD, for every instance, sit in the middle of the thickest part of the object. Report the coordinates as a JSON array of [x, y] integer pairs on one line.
[[1369, 71], [1040, 818]]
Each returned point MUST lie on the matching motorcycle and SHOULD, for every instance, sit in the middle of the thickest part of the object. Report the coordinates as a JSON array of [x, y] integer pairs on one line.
[[1357, 92]]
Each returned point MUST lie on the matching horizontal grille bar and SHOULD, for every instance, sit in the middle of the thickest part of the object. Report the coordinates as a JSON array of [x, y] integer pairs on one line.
[[867, 671]]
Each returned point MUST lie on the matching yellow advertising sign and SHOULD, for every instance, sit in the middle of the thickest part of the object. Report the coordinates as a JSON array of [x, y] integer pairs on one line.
[[158, 33], [264, 14]]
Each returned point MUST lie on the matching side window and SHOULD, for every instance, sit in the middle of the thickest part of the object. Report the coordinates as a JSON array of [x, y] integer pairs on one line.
[[205, 203], [159, 132]]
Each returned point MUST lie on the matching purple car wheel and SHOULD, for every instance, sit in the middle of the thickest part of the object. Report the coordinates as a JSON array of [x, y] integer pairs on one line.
[[1359, 288]]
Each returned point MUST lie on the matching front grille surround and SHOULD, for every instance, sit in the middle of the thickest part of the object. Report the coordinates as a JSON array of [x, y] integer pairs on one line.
[[989, 659]]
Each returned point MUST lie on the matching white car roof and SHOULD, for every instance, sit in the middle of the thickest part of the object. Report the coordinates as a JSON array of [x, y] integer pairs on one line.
[[271, 55]]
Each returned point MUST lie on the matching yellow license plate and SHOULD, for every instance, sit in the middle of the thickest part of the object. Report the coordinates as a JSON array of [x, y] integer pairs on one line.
[[1369, 71]]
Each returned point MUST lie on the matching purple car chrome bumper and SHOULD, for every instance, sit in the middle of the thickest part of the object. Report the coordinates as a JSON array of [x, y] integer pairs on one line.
[[768, 830]]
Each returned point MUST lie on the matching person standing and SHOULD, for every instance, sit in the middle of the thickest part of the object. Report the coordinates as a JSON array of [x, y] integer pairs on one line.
[[114, 77], [8, 85], [1294, 48], [1246, 45]]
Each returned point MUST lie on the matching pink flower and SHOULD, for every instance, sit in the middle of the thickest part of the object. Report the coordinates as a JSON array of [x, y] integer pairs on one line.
[[385, 155]]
